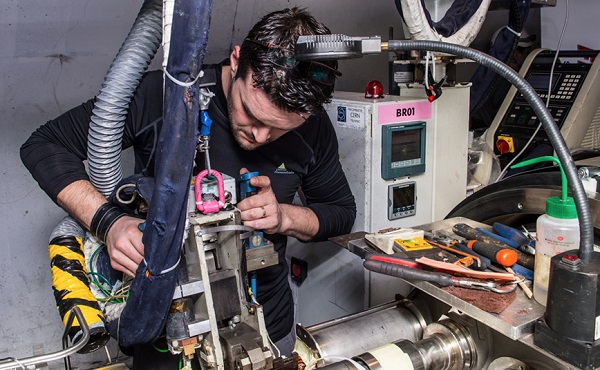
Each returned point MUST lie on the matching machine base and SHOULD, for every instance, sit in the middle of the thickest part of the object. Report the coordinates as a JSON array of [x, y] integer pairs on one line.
[[584, 355]]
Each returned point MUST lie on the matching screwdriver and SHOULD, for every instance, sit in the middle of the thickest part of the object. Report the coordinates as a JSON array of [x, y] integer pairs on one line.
[[503, 256], [470, 233], [523, 243]]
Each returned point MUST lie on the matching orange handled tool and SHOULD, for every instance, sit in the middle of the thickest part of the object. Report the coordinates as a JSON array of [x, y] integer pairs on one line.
[[470, 233], [503, 256]]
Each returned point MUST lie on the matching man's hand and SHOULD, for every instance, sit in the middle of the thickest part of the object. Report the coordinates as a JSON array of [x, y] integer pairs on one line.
[[124, 240], [124, 245], [263, 212]]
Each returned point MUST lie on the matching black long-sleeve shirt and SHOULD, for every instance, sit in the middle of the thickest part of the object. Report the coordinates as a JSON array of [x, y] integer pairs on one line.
[[305, 158]]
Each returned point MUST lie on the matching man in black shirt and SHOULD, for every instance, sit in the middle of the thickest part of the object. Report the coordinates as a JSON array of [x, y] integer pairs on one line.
[[267, 117]]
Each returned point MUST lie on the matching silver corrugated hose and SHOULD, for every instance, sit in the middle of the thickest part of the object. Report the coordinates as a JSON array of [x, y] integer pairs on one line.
[[122, 79], [67, 226]]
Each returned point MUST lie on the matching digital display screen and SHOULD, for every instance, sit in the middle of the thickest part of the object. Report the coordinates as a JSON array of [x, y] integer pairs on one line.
[[406, 145], [403, 196], [402, 150], [539, 81]]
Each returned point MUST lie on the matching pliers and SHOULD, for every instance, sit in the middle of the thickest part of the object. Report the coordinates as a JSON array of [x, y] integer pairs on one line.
[[411, 270], [471, 259]]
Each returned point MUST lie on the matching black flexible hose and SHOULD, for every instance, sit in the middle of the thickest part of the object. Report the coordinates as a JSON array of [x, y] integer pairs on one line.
[[586, 244]]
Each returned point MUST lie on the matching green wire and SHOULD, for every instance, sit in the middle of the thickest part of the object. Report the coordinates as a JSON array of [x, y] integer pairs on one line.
[[106, 281], [94, 280], [160, 349], [93, 256], [91, 271], [102, 289]]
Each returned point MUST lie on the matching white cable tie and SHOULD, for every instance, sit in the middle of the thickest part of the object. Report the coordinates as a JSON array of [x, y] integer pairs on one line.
[[184, 84], [166, 270], [518, 34]]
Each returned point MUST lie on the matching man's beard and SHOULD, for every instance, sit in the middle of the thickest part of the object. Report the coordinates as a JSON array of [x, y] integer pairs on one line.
[[238, 134]]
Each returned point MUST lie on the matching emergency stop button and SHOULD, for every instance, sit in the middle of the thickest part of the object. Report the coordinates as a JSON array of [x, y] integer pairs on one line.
[[505, 144]]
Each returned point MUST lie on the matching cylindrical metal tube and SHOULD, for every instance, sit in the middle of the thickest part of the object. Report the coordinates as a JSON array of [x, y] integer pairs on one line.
[[342, 365], [447, 346], [355, 334]]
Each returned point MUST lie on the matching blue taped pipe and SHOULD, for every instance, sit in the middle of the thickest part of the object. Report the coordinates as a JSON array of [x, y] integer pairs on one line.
[[144, 316]]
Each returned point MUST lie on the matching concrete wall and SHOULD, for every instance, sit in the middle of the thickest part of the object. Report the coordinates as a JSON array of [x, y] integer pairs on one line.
[[53, 56], [582, 25]]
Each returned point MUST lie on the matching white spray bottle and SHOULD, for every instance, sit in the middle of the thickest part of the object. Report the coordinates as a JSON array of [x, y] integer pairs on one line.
[[557, 231]]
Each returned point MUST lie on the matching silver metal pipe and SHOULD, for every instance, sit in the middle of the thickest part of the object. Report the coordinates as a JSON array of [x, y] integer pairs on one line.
[[355, 334], [447, 345], [25, 362]]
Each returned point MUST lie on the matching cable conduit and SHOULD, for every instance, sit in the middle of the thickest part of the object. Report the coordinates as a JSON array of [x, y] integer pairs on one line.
[[112, 103]]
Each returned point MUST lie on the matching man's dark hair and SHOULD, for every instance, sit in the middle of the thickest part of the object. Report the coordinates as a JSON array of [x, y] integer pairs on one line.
[[272, 39]]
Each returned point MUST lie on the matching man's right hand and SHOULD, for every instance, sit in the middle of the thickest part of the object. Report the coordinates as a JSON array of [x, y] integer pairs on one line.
[[124, 245], [124, 240]]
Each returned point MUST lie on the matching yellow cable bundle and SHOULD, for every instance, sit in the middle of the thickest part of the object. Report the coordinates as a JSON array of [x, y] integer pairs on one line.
[[71, 288]]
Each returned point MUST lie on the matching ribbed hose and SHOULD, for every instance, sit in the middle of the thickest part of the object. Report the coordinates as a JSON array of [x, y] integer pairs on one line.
[[122, 79], [71, 285], [69, 275], [67, 226], [586, 247]]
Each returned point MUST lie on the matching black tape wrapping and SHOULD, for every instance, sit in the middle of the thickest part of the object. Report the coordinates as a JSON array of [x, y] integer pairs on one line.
[[103, 220]]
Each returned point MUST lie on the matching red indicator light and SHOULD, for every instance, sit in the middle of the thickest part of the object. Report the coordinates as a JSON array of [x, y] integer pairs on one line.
[[571, 257], [374, 90]]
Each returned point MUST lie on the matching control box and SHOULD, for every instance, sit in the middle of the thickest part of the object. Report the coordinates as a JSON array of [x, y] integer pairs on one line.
[[406, 162], [405, 157], [573, 95]]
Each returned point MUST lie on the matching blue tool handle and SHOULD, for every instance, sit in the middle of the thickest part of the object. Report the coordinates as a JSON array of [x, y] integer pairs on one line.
[[512, 234], [523, 271], [246, 189], [508, 242]]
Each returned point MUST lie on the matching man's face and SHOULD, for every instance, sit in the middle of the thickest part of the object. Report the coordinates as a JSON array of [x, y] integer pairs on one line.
[[254, 120]]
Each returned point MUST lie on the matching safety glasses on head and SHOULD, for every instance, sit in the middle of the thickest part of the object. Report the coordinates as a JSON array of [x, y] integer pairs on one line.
[[282, 57]]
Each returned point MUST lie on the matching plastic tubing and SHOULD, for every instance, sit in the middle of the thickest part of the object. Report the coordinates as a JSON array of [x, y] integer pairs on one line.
[[122, 79], [586, 246]]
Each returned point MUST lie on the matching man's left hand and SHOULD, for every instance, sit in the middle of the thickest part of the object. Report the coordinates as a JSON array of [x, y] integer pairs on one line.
[[262, 210]]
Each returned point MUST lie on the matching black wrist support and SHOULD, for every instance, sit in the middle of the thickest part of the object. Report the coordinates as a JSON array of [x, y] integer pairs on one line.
[[104, 218]]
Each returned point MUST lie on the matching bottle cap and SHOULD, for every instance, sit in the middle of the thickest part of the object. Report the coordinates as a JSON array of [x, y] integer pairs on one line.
[[559, 208]]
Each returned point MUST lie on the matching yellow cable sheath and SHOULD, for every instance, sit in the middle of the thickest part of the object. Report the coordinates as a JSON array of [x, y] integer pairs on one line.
[[71, 285]]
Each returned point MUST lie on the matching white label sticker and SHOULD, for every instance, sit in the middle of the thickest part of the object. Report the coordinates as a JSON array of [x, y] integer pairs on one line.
[[351, 117], [597, 329]]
